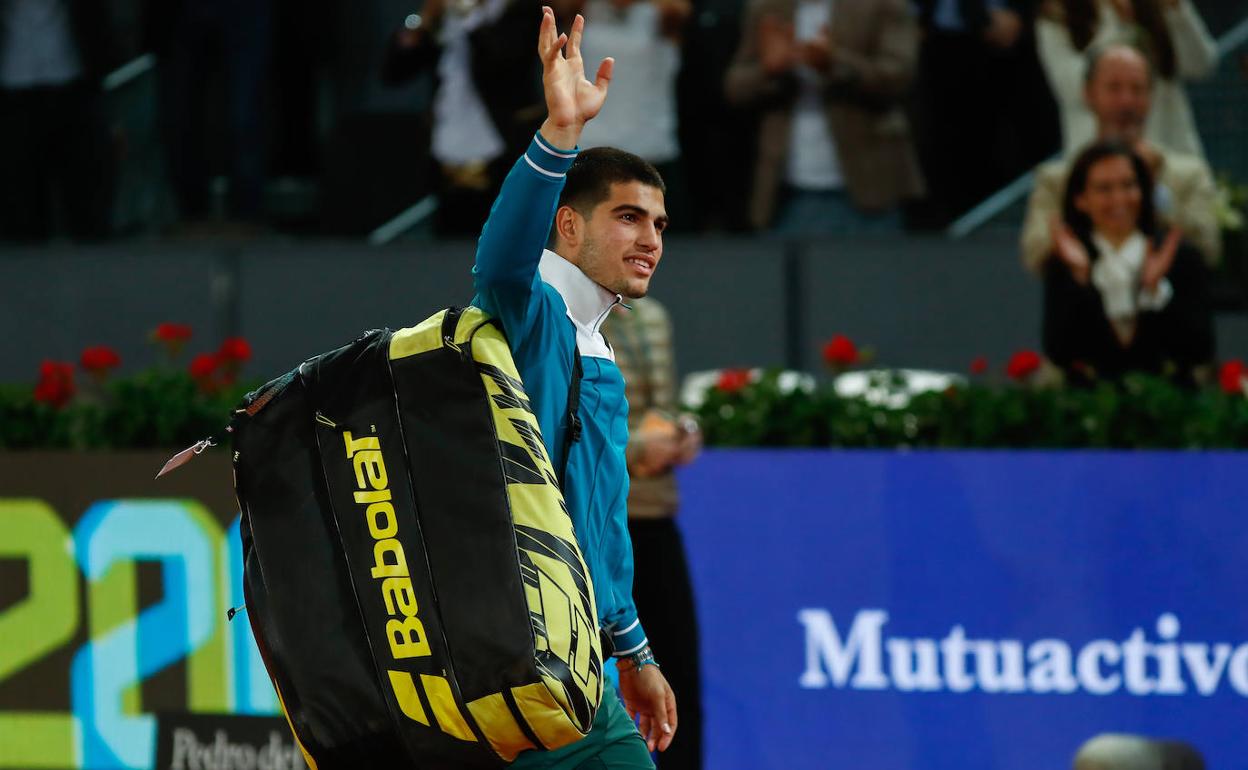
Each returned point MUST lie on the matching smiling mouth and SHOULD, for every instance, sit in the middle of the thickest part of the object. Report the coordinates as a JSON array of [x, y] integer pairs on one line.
[[643, 265]]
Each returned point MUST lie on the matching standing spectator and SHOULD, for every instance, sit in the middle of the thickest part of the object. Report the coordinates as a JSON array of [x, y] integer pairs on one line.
[[980, 94], [829, 80], [55, 147], [643, 36], [487, 102], [1169, 32], [658, 442], [1117, 93], [1116, 297], [194, 40]]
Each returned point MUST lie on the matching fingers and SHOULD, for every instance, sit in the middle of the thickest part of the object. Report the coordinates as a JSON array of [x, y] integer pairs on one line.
[[574, 41], [669, 726], [603, 79], [646, 727], [549, 41]]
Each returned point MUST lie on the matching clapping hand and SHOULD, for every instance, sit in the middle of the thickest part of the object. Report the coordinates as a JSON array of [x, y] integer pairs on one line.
[[1159, 260], [1070, 250], [571, 100]]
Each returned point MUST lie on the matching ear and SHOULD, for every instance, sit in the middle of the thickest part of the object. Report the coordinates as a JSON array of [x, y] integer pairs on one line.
[[1081, 203], [569, 227]]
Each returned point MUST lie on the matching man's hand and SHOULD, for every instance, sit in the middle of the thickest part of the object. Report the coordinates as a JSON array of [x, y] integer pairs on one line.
[[816, 53], [1159, 260], [571, 100], [1004, 28], [1068, 249], [648, 695], [777, 50]]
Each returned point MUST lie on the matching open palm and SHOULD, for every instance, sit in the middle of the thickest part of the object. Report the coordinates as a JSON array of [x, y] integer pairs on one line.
[[571, 100]]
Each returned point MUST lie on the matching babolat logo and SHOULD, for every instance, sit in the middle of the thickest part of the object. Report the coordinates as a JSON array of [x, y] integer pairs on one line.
[[404, 630]]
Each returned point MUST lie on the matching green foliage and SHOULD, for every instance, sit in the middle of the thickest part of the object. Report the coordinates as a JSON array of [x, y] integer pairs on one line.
[[1142, 412], [157, 408]]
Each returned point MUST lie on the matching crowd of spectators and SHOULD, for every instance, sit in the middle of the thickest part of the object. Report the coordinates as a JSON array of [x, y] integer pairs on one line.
[[792, 117], [789, 116]]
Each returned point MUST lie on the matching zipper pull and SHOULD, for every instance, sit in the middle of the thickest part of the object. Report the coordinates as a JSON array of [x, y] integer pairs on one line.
[[185, 456]]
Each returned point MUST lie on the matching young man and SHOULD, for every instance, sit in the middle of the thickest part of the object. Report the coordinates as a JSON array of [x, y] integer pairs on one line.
[[608, 226]]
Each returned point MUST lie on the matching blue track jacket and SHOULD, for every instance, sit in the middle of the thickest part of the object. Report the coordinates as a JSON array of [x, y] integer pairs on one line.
[[547, 305]]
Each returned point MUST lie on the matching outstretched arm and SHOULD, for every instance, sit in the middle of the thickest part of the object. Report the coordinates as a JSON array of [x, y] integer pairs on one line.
[[514, 236]]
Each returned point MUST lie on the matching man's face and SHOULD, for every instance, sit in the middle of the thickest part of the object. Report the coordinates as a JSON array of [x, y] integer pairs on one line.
[[623, 239], [1118, 95]]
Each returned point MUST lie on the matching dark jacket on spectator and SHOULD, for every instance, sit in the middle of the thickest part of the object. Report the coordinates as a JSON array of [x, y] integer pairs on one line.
[[1079, 338]]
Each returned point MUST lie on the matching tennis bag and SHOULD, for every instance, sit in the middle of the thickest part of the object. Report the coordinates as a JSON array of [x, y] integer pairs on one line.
[[410, 569]]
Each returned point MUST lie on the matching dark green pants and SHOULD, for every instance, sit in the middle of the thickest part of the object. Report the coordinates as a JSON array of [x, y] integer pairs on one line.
[[612, 744]]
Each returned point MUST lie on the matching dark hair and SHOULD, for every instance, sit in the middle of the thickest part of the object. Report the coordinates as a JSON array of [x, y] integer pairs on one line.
[[1077, 183], [1082, 16], [593, 172]]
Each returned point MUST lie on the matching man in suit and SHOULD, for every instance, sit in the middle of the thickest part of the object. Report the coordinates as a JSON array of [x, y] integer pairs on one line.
[[828, 79], [1117, 89], [55, 148]]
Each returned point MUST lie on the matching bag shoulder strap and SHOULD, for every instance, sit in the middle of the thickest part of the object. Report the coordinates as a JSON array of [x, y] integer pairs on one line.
[[573, 433]]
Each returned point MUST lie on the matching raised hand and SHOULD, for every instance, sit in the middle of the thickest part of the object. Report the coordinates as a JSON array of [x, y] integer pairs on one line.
[[571, 100], [1070, 250], [1159, 260]]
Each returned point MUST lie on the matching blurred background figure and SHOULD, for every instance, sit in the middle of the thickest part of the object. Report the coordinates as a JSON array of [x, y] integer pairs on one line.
[[1118, 95], [980, 95], [488, 99], [660, 441], [214, 64], [828, 81], [643, 36], [1134, 752], [57, 161], [1170, 33], [1119, 294]]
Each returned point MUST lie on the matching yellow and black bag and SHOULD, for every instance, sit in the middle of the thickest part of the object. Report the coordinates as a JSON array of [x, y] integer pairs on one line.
[[411, 572]]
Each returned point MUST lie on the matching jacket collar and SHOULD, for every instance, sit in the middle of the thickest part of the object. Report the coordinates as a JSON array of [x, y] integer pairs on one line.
[[588, 303]]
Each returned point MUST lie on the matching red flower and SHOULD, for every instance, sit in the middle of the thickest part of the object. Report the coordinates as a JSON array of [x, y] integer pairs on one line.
[[840, 351], [170, 332], [100, 359], [979, 365], [733, 380], [204, 366], [56, 383], [1023, 364], [235, 349], [1232, 377]]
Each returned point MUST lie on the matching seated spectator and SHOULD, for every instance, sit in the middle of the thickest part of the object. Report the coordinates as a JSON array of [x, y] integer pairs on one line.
[[57, 149], [643, 36], [1174, 38], [1115, 298], [1117, 93], [834, 145]]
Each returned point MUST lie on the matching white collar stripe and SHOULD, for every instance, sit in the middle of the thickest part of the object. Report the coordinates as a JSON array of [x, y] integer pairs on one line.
[[542, 143], [541, 170]]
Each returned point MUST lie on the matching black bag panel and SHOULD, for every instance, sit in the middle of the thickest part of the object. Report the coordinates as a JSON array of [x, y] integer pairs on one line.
[[461, 498], [366, 468], [327, 680]]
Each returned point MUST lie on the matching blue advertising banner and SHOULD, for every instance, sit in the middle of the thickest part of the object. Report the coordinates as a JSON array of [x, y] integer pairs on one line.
[[962, 610]]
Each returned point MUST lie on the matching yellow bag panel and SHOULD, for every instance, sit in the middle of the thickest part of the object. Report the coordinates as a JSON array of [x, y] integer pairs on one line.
[[445, 708], [495, 720], [546, 718]]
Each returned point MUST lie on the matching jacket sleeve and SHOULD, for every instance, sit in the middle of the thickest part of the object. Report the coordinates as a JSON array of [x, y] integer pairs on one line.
[[1195, 51], [620, 619], [1195, 209], [505, 276], [884, 75], [745, 82], [1044, 203]]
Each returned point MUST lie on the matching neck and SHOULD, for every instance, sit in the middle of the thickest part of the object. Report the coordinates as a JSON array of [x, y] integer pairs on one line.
[[1116, 239]]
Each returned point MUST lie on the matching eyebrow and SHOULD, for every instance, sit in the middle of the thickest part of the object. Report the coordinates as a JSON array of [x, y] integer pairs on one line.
[[623, 207]]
